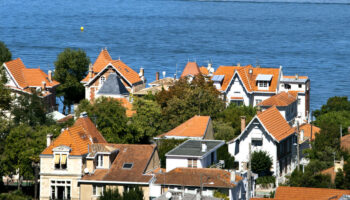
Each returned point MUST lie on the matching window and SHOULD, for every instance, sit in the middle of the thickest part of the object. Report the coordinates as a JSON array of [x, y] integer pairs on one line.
[[127, 165], [287, 86], [60, 161], [257, 101], [256, 142], [192, 163], [263, 84], [102, 80], [300, 86], [299, 101], [99, 160], [237, 102], [60, 189], [97, 190]]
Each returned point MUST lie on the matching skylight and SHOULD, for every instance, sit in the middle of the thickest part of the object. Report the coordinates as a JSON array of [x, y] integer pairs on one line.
[[127, 165]]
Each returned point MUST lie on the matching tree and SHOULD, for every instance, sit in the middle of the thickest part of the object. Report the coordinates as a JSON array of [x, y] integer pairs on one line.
[[71, 67], [109, 116], [339, 179], [188, 98], [5, 54], [334, 104], [261, 163], [110, 194], [223, 131], [223, 154], [165, 145], [147, 122], [133, 193]]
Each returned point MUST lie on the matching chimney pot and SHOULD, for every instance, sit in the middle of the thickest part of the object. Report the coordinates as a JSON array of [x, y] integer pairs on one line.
[[142, 72], [50, 75], [204, 147], [48, 139], [233, 176], [243, 123], [157, 76]]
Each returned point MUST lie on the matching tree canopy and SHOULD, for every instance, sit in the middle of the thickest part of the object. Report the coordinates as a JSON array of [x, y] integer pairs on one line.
[[133, 193], [5, 54], [261, 163], [71, 67]]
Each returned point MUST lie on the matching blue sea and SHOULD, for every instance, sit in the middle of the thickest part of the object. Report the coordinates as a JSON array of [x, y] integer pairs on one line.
[[310, 37]]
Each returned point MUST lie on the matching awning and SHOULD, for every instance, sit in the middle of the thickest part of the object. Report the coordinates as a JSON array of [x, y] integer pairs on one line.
[[64, 159], [57, 159]]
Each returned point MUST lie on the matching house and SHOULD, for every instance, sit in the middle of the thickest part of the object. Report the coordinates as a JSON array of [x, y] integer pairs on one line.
[[193, 154], [175, 195], [196, 128], [345, 143], [268, 131], [103, 67], [157, 85], [302, 193], [332, 171], [248, 85], [191, 69], [22, 80], [63, 161], [307, 132], [199, 181], [285, 102], [118, 166]]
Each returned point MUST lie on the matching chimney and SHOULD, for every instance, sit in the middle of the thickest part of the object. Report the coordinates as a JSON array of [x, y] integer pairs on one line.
[[43, 85], [90, 71], [242, 123], [301, 138], [296, 76], [258, 109], [50, 75], [204, 147], [233, 176], [348, 129], [238, 64], [339, 165], [157, 76], [48, 139], [142, 72], [209, 66]]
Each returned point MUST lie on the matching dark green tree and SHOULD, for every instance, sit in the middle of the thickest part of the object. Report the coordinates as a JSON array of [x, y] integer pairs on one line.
[[347, 174], [223, 131], [261, 163], [71, 67], [133, 193], [223, 154], [339, 180], [164, 147], [110, 117], [5, 54], [111, 194], [334, 104]]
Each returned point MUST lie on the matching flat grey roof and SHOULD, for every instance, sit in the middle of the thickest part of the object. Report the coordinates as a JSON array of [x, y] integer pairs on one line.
[[264, 77], [193, 148], [293, 80]]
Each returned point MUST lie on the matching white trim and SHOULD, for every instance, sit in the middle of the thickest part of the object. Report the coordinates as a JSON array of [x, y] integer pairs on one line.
[[113, 182], [8, 71]]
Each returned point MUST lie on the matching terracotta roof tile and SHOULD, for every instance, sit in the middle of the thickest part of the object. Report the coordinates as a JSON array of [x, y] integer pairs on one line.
[[180, 176], [345, 142], [194, 127], [275, 124], [303, 193], [104, 59], [307, 130], [128, 106], [204, 70], [299, 77], [137, 154], [280, 99], [77, 137], [247, 78], [28, 77], [191, 68]]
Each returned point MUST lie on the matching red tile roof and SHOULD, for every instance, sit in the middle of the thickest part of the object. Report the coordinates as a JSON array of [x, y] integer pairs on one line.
[[137, 154], [27, 77], [275, 124], [204, 70], [247, 78], [280, 99], [194, 127], [104, 59], [345, 142], [307, 130], [192, 177], [191, 68], [128, 106], [77, 137], [303, 193]]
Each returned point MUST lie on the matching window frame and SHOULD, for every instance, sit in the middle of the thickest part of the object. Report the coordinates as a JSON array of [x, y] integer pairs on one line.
[[61, 166]]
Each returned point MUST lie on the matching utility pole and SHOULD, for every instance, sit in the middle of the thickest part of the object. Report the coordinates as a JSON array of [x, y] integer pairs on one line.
[[249, 171], [298, 146], [341, 131]]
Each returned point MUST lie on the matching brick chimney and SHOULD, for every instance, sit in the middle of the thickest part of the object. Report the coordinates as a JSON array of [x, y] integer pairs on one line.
[[50, 75], [142, 72], [157, 76], [243, 123], [90, 71]]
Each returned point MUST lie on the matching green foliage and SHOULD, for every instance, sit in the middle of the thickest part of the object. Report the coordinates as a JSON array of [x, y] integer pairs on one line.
[[147, 122], [339, 180], [311, 176], [347, 174], [223, 154], [232, 116], [220, 195], [261, 163], [164, 147], [134, 193], [15, 195], [334, 104], [71, 67], [223, 131], [30, 110], [5, 93], [186, 99], [109, 116], [265, 181], [5, 54]]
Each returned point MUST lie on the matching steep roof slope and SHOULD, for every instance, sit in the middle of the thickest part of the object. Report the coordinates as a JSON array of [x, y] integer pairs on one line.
[[281, 99], [275, 124], [194, 127], [303, 193], [77, 137], [191, 68]]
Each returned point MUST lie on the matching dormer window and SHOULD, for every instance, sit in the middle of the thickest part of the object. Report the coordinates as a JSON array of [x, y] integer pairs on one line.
[[99, 160], [60, 161], [263, 84], [263, 81]]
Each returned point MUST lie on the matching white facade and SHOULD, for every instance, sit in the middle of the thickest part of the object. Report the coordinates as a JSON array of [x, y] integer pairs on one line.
[[201, 162]]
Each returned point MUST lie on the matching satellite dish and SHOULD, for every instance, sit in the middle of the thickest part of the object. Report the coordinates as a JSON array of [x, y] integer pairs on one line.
[[168, 195], [86, 170]]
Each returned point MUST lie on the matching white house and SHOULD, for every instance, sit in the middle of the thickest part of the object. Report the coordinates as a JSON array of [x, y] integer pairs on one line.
[[250, 86], [193, 154], [268, 131]]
